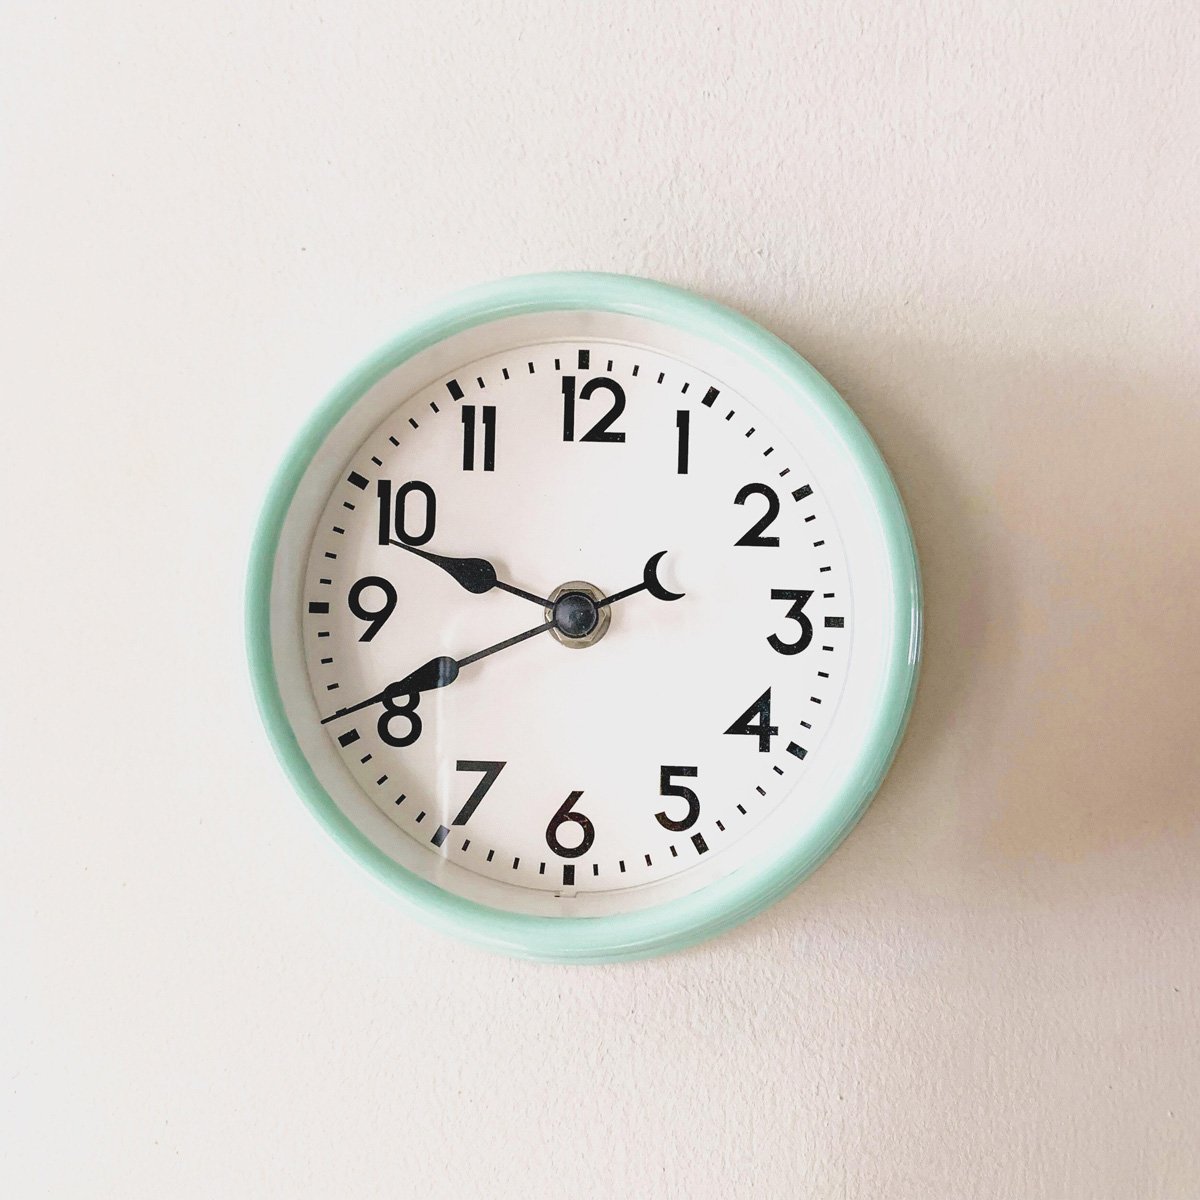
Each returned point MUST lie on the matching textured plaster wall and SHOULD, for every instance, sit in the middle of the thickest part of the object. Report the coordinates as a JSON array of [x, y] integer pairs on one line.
[[979, 220]]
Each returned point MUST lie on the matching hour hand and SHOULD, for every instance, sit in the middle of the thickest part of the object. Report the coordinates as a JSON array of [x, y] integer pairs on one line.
[[476, 575]]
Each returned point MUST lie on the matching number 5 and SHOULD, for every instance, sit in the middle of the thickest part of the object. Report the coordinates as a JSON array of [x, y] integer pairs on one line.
[[667, 788]]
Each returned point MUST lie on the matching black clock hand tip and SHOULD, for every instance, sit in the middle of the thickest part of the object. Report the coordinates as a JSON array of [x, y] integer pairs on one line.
[[651, 580], [436, 673], [476, 575], [353, 708], [650, 583]]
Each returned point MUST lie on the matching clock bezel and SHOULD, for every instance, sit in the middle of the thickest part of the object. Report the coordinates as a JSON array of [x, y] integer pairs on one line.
[[748, 889]]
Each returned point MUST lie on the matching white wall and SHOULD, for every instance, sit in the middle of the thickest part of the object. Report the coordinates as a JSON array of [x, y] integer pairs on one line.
[[980, 221]]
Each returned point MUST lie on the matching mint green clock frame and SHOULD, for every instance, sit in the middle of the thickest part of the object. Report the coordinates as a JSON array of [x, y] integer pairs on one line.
[[748, 889]]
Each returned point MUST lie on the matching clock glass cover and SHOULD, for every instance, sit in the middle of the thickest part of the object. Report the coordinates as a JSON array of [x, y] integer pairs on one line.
[[587, 615]]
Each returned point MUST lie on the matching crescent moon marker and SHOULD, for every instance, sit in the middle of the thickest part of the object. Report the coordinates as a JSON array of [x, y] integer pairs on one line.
[[650, 579]]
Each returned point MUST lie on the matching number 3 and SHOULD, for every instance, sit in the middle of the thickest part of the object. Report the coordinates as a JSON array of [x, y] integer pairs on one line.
[[795, 613]]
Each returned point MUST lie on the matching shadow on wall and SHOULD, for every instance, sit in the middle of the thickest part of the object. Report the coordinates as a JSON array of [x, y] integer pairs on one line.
[[1083, 713], [1055, 510]]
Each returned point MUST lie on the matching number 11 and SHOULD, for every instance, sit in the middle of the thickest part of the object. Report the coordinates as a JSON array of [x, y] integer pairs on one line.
[[489, 437]]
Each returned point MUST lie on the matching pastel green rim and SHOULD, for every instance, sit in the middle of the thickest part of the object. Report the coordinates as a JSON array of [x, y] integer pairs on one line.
[[744, 892]]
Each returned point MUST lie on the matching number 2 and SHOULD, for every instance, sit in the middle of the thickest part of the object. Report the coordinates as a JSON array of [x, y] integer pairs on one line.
[[754, 536]]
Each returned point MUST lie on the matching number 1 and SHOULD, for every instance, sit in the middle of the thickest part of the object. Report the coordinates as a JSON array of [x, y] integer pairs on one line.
[[683, 422]]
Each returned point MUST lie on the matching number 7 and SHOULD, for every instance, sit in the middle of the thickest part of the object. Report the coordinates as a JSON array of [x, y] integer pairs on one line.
[[490, 772]]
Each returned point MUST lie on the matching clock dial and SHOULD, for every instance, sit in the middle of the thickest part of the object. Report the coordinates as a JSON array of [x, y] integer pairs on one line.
[[576, 615], [586, 616]]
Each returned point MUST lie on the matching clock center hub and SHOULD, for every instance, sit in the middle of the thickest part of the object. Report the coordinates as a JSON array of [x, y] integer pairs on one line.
[[578, 622]]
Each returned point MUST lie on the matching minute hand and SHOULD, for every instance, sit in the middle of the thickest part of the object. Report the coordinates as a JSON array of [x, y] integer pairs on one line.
[[436, 673], [476, 575]]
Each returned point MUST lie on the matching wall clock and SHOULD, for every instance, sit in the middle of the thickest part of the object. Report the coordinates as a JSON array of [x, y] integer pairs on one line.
[[586, 616]]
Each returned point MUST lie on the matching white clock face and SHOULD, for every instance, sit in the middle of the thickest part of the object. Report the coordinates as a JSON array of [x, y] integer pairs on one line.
[[578, 620]]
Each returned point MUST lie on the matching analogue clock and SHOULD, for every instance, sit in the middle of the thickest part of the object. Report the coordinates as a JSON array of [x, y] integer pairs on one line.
[[586, 615]]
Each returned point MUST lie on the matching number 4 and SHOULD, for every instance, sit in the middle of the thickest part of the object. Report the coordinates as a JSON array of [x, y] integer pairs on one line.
[[762, 728]]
